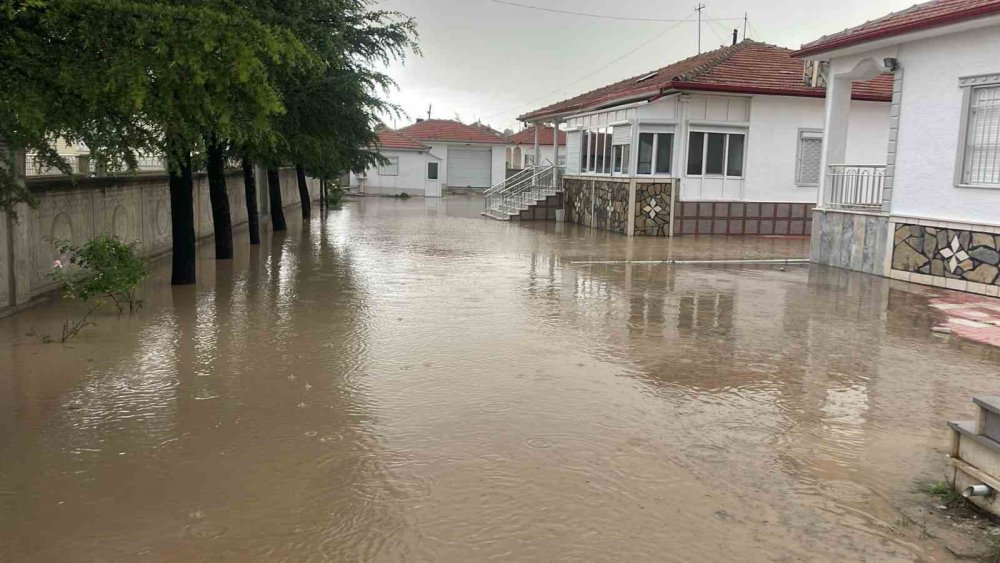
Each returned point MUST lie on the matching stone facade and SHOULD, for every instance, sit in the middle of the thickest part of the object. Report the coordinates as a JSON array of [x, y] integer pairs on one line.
[[959, 255], [133, 208], [600, 203], [653, 209], [853, 241]]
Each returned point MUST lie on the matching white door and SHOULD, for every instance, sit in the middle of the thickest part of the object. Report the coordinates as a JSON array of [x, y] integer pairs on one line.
[[470, 168]]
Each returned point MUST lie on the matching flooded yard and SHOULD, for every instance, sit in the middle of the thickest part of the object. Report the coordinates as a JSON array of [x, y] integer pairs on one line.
[[405, 380]]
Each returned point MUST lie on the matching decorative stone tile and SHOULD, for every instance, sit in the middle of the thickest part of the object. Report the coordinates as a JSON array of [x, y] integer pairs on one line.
[[652, 209], [952, 255]]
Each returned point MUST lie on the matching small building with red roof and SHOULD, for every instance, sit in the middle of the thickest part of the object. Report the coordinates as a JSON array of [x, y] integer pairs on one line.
[[521, 147], [930, 211], [410, 168], [724, 142], [471, 156]]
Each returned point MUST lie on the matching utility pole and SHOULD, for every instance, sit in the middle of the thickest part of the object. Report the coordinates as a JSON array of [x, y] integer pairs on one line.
[[744, 25], [699, 9]]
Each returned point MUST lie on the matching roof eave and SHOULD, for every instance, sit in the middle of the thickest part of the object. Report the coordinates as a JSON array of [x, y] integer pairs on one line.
[[644, 95], [755, 90], [828, 47]]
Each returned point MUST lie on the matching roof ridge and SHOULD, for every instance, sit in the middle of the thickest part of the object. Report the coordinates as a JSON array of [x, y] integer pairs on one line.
[[723, 54]]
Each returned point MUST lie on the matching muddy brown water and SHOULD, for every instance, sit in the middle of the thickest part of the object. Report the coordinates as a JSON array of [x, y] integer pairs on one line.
[[403, 380]]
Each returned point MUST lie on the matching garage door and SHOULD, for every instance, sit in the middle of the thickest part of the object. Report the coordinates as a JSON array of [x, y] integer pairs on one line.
[[469, 168]]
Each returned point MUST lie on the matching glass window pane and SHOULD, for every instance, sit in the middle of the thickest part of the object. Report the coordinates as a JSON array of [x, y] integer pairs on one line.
[[664, 152], [607, 151], [432, 171], [696, 146], [626, 163], [618, 158], [584, 151], [645, 165], [734, 159], [714, 155]]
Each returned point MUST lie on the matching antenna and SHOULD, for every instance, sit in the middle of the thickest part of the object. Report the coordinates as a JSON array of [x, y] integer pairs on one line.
[[429, 107], [699, 9], [744, 25]]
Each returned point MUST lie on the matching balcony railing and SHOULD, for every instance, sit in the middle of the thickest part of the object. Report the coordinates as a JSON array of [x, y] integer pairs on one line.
[[855, 186]]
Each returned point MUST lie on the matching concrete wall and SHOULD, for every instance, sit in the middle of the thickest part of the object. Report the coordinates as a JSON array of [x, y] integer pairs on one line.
[[547, 154], [499, 159], [772, 145], [132, 208], [412, 177], [929, 123], [854, 241]]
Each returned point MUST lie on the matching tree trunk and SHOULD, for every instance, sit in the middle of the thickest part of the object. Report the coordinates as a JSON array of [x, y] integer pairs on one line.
[[300, 173], [250, 187], [182, 222], [219, 196], [274, 193]]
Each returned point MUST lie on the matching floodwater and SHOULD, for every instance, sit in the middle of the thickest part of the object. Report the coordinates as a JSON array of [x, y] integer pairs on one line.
[[404, 380]]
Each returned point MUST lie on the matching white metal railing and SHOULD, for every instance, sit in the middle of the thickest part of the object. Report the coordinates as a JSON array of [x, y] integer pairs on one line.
[[855, 186], [522, 190], [33, 166]]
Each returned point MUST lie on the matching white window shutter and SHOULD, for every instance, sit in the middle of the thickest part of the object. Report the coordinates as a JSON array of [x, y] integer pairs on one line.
[[573, 152]]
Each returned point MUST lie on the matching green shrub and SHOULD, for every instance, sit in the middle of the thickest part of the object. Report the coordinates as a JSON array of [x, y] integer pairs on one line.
[[101, 270]]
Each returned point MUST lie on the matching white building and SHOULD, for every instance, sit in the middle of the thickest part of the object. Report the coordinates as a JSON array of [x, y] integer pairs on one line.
[[521, 147], [470, 156], [411, 169], [725, 142], [932, 215]]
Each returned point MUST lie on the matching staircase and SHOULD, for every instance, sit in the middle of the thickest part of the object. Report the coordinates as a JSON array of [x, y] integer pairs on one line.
[[520, 192]]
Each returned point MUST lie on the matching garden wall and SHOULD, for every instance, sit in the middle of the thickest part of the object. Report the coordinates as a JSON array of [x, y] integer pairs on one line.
[[132, 208]]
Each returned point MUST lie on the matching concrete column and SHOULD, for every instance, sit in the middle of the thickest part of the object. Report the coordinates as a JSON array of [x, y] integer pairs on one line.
[[538, 150], [890, 157], [555, 142], [19, 242], [838, 110]]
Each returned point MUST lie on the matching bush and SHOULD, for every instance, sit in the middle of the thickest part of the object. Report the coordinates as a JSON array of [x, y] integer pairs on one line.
[[101, 270]]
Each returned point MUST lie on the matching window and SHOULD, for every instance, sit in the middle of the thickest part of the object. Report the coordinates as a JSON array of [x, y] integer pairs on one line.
[[655, 153], [621, 158], [391, 168], [529, 160], [715, 154], [808, 157], [432, 171], [980, 157]]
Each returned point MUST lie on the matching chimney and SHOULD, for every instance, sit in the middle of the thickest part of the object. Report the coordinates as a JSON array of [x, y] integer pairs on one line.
[[420, 120], [735, 35]]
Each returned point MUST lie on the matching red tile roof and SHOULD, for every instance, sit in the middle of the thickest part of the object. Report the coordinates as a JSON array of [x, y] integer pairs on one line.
[[389, 139], [448, 130], [921, 16], [527, 137], [749, 67]]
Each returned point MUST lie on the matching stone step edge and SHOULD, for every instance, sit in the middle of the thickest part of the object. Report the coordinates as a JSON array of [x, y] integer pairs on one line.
[[988, 403], [967, 428]]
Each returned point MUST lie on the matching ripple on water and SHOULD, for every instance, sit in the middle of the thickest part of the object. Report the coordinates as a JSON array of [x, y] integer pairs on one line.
[[496, 408], [204, 530], [539, 443], [844, 491]]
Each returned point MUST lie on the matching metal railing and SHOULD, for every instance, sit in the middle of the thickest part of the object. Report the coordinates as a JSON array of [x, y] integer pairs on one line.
[[33, 166], [522, 190], [855, 186]]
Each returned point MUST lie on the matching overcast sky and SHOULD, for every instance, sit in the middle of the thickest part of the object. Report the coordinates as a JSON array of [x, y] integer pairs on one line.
[[486, 60]]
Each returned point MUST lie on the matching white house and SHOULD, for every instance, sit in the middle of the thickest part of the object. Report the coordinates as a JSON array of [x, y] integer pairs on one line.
[[725, 142], [412, 168], [932, 215], [470, 157], [521, 147]]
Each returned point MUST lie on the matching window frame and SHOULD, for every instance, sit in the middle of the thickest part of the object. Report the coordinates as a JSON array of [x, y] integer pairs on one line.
[[803, 131], [437, 170], [969, 84], [393, 162], [656, 132], [726, 132]]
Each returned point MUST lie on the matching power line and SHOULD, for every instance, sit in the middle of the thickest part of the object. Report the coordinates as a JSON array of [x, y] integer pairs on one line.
[[582, 78], [599, 16]]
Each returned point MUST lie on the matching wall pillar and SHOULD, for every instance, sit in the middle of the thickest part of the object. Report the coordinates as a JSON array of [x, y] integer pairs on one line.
[[538, 150], [838, 110], [555, 143], [890, 157]]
